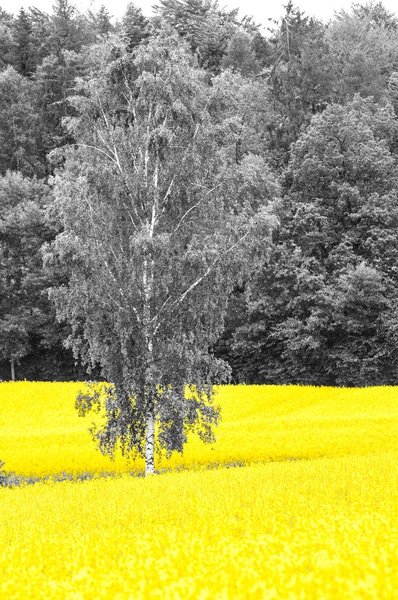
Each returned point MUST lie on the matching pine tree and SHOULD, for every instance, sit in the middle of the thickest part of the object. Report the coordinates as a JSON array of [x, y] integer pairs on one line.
[[135, 27], [6, 39], [19, 125], [25, 312], [25, 60]]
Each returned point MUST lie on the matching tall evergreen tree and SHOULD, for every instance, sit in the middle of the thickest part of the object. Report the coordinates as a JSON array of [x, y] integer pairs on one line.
[[25, 312], [135, 26], [101, 22], [240, 56], [19, 125], [41, 34], [54, 84], [6, 39], [301, 77], [68, 28], [207, 27], [376, 13], [24, 58]]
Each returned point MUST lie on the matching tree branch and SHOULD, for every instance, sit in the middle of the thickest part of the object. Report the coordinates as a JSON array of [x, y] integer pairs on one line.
[[197, 282], [194, 206], [97, 150]]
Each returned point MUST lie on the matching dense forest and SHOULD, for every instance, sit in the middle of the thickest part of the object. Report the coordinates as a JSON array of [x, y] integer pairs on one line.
[[317, 109]]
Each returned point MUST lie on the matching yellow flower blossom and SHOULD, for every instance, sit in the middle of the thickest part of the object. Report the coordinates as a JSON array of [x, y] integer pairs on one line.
[[312, 514]]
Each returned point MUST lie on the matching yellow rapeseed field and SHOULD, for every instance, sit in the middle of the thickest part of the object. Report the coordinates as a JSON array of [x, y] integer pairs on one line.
[[312, 514], [41, 434]]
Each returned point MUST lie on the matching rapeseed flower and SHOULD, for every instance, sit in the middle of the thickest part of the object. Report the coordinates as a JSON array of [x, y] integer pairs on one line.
[[311, 513]]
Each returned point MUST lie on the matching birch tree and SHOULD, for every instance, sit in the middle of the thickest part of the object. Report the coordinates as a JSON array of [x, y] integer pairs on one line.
[[156, 217]]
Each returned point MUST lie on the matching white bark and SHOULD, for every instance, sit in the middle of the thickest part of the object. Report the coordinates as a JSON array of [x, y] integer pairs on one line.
[[12, 362], [150, 442], [147, 391], [148, 281]]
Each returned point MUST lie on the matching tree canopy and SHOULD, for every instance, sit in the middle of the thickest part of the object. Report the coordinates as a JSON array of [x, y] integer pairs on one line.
[[294, 109], [322, 309], [155, 213]]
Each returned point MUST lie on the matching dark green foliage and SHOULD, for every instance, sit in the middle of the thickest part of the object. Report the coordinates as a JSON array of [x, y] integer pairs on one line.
[[322, 308], [24, 57], [208, 28], [6, 39], [41, 33], [26, 316], [240, 56], [19, 126], [186, 16], [301, 75], [47, 360], [101, 21], [376, 13], [236, 317], [135, 27], [262, 49], [364, 49], [68, 28], [54, 84], [392, 90]]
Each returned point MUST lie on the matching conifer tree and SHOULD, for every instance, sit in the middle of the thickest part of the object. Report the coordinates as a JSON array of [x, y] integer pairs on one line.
[[25, 312], [24, 51], [19, 125], [135, 26]]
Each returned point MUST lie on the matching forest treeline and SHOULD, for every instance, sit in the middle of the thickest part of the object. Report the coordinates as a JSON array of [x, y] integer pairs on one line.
[[319, 129]]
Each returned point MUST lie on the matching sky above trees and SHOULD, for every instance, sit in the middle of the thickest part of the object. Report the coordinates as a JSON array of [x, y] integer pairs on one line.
[[259, 9]]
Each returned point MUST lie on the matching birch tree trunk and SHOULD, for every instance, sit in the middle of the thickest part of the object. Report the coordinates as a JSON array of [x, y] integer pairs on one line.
[[12, 362], [148, 384], [150, 440], [149, 409], [148, 281]]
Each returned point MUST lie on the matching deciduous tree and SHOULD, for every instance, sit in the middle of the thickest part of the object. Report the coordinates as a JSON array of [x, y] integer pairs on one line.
[[156, 215], [321, 310], [364, 50]]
